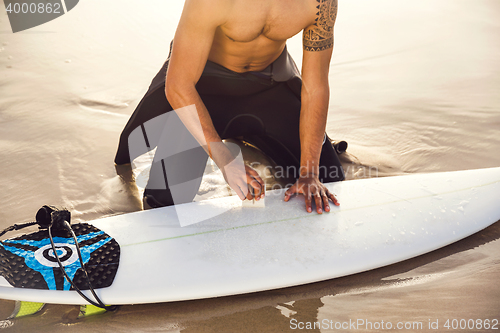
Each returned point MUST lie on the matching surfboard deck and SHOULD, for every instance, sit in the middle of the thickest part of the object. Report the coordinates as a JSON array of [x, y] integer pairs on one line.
[[235, 250]]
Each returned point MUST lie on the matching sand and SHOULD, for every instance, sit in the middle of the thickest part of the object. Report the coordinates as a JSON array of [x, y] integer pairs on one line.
[[414, 89]]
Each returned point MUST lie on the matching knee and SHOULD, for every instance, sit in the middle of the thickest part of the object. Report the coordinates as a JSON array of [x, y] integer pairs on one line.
[[331, 173]]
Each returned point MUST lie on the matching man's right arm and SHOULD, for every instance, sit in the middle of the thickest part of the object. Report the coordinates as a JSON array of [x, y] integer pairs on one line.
[[192, 44]]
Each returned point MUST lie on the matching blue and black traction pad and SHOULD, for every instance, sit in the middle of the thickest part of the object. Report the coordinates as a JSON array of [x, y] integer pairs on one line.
[[28, 261]]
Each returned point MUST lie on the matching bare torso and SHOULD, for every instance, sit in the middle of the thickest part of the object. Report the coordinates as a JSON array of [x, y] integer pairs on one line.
[[256, 31], [248, 35]]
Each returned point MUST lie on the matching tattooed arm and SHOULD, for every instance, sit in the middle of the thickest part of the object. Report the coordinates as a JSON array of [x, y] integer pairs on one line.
[[318, 47]]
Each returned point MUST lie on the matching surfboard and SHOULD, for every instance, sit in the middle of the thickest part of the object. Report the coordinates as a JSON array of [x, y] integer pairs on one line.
[[228, 249]]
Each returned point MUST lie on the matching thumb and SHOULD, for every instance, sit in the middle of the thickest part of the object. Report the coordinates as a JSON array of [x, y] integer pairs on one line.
[[291, 191], [240, 192]]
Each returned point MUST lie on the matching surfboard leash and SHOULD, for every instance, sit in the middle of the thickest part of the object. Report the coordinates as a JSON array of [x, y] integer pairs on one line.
[[52, 218], [17, 227]]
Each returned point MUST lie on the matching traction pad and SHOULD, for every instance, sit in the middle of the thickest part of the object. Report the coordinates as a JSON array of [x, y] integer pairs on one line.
[[28, 261]]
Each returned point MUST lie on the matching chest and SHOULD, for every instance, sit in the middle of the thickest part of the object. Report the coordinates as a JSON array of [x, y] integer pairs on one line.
[[274, 19]]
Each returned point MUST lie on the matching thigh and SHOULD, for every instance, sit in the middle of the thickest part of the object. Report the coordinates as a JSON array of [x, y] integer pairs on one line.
[[278, 113], [141, 131]]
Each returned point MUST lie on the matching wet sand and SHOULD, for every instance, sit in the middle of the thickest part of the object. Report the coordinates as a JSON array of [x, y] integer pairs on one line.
[[414, 89]]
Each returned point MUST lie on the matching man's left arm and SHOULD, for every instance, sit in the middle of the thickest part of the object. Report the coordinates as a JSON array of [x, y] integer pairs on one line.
[[318, 47]]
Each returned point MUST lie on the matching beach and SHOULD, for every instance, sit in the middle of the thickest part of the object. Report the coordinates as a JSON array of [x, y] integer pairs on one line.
[[414, 89]]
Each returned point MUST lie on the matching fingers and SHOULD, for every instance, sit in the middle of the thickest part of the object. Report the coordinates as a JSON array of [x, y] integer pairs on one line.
[[256, 190], [319, 203], [250, 193], [256, 177], [239, 185], [308, 202], [291, 192], [256, 185], [324, 198], [240, 189], [318, 193], [332, 197], [313, 192], [239, 192]]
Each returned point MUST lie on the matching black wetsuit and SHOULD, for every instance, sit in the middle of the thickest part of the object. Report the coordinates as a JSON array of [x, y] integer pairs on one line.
[[262, 107]]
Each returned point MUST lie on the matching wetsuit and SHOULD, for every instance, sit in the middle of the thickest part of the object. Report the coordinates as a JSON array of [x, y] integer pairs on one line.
[[262, 107]]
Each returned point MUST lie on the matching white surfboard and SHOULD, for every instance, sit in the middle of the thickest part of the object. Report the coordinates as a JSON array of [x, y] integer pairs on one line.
[[235, 250]]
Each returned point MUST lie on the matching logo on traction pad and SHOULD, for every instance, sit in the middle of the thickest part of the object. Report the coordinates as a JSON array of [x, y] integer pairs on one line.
[[26, 14], [29, 261], [67, 254]]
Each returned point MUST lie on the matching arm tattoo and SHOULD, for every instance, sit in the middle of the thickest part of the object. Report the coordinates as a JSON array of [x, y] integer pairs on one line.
[[319, 36]]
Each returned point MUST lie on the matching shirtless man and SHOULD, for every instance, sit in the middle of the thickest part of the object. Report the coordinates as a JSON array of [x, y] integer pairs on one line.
[[246, 36]]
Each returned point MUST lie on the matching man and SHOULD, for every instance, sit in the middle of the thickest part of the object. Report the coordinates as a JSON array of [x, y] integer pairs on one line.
[[229, 75]]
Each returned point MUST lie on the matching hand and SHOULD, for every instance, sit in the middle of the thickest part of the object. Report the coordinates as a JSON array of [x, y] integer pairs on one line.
[[243, 179], [310, 186], [246, 182]]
